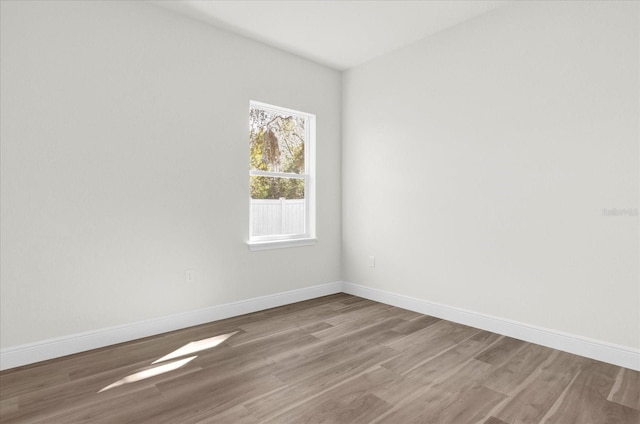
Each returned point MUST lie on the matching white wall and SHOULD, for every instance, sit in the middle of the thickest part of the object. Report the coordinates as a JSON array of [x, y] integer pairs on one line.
[[477, 162], [124, 163]]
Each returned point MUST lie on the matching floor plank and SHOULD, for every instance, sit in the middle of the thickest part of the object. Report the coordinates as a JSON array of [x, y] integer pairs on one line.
[[494, 420], [626, 390], [501, 351], [510, 376], [533, 402], [585, 399]]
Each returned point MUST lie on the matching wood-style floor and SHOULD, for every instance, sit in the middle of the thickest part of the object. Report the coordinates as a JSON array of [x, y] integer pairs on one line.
[[336, 359]]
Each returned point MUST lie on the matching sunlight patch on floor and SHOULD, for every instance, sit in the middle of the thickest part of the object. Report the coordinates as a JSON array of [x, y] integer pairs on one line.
[[187, 349], [194, 347], [148, 373]]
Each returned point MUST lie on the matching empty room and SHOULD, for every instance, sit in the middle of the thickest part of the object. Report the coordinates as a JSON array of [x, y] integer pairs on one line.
[[320, 211]]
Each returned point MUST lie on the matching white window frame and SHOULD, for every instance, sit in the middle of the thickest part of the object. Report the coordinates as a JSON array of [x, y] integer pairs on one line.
[[309, 236]]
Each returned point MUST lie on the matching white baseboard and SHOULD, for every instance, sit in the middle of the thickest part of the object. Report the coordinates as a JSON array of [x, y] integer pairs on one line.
[[54, 348], [606, 352]]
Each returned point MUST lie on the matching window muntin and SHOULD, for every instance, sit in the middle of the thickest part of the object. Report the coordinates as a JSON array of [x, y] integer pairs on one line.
[[281, 183]]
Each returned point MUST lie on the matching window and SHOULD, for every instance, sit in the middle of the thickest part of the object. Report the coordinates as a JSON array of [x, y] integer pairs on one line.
[[281, 177]]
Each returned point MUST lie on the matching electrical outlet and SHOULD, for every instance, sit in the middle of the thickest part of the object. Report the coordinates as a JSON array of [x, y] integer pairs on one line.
[[189, 276], [372, 261]]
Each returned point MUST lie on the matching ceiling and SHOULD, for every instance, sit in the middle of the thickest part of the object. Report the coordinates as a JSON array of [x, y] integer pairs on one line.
[[339, 34]]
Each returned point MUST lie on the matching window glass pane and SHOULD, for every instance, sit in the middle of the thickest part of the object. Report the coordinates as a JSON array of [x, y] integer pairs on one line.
[[276, 188], [279, 208], [276, 141]]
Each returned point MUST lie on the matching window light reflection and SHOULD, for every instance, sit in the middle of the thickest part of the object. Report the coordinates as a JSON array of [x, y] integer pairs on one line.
[[151, 372], [187, 349], [194, 347]]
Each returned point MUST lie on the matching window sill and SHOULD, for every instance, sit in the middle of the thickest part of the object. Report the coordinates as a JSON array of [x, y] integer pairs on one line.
[[280, 244]]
